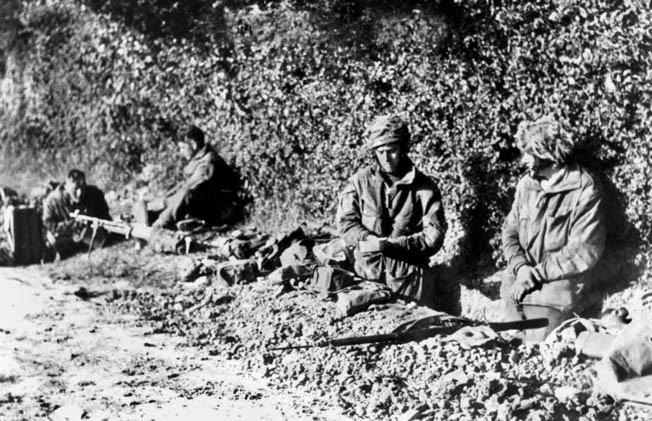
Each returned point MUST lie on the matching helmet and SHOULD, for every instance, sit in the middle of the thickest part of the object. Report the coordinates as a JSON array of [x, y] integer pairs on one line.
[[546, 138], [387, 129]]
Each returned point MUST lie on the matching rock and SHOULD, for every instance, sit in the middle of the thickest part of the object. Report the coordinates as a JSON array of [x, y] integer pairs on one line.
[[188, 269], [82, 293], [202, 282], [504, 411], [277, 277], [566, 393], [67, 413], [492, 404], [537, 415], [545, 389], [219, 300], [514, 357], [411, 415], [457, 376], [115, 295], [10, 368], [527, 404]]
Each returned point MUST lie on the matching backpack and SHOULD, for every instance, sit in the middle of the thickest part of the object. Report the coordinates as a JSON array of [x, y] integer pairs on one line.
[[331, 279]]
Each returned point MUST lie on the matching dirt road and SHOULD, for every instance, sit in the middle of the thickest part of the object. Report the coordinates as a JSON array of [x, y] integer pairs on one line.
[[71, 358]]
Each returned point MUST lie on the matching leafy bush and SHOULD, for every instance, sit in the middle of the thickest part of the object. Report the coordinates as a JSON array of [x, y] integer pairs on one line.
[[286, 89]]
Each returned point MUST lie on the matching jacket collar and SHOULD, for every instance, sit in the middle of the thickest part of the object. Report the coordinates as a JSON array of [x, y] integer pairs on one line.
[[201, 152], [570, 179]]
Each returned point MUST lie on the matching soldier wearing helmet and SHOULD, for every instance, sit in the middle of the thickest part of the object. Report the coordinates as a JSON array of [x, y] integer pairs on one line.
[[392, 214], [554, 236]]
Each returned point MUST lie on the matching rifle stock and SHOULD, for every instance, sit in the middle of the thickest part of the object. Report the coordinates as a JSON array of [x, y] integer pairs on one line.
[[416, 334]]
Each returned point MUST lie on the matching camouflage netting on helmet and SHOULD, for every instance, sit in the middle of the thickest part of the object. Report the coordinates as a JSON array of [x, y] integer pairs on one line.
[[387, 129], [547, 139]]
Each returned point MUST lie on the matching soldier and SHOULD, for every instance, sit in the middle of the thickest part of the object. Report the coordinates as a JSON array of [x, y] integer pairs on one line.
[[73, 195], [554, 236], [392, 214], [208, 191]]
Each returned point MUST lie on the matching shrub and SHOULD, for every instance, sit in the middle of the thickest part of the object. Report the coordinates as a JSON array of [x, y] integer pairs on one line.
[[285, 90]]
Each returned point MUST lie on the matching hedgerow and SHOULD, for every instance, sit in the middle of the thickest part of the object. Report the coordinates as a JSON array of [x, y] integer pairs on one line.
[[285, 89]]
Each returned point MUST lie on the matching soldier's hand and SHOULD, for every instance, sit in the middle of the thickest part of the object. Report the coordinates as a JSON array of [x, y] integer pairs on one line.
[[65, 228], [158, 223], [526, 282]]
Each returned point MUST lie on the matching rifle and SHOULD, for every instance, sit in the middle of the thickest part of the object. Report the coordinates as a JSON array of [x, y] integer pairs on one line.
[[415, 334], [138, 231], [167, 240]]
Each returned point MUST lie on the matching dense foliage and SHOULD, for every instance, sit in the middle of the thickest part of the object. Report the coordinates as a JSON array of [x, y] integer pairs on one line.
[[285, 90]]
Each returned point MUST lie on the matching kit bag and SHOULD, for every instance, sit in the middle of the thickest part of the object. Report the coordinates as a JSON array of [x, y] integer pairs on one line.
[[330, 279], [22, 225]]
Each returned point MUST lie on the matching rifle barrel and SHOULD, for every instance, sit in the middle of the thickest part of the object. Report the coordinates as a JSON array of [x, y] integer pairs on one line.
[[417, 334]]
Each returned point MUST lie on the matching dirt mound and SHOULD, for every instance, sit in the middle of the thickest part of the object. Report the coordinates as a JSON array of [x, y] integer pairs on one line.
[[431, 379], [437, 379]]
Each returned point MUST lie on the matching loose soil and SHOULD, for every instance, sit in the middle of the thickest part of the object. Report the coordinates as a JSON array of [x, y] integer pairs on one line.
[[73, 357], [117, 336]]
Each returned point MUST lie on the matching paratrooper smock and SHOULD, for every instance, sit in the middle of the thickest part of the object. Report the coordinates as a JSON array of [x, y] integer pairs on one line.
[[410, 212]]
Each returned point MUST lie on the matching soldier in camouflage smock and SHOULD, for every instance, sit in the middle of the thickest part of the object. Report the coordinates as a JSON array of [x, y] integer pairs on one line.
[[554, 236], [392, 214]]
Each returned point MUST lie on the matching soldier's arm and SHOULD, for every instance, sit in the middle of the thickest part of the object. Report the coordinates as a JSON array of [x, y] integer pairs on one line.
[[102, 207], [49, 221], [55, 218], [586, 241], [349, 217], [429, 240], [203, 172], [512, 250]]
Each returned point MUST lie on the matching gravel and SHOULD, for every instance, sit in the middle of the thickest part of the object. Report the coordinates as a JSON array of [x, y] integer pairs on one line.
[[431, 379]]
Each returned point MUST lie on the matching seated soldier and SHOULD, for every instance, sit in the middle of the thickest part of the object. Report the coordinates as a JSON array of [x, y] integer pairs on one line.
[[392, 214], [71, 196], [208, 193], [554, 236]]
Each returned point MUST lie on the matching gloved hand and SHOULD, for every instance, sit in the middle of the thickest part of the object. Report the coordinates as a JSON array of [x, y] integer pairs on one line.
[[526, 282]]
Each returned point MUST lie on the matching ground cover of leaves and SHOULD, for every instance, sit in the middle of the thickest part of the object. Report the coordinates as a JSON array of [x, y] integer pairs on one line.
[[431, 379]]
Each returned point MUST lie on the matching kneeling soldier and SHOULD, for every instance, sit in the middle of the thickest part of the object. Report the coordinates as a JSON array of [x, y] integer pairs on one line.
[[392, 214], [74, 195]]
